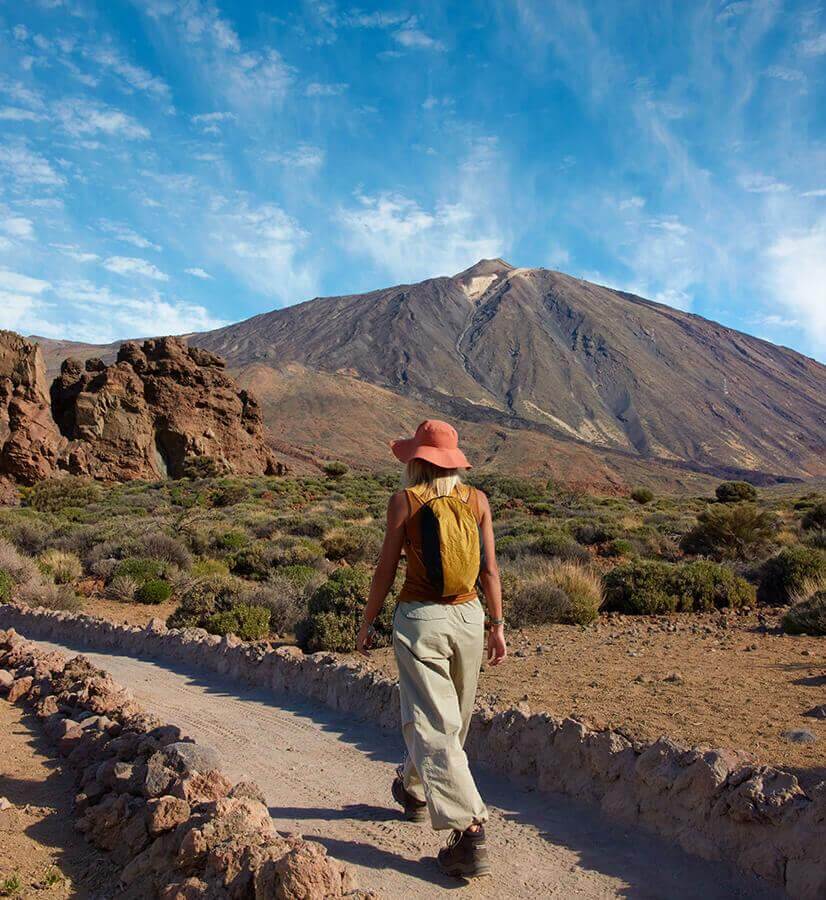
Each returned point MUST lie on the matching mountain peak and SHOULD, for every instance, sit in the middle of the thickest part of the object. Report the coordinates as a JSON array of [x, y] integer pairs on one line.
[[485, 267]]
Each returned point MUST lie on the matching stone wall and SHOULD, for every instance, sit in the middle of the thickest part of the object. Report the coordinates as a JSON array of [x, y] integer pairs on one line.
[[714, 803], [156, 802]]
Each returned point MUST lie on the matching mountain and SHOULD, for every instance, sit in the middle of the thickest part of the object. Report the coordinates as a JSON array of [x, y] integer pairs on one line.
[[547, 373]]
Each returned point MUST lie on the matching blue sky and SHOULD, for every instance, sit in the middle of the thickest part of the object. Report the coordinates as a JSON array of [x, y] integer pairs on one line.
[[173, 165]]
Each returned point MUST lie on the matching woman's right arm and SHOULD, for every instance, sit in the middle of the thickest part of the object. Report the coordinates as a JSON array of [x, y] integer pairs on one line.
[[492, 586]]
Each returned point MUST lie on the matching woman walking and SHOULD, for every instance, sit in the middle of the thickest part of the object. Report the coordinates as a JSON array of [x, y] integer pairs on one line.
[[446, 531]]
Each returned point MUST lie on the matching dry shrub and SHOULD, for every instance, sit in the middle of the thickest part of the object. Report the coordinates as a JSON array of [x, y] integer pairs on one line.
[[122, 588], [19, 568], [49, 595], [63, 567], [563, 592], [808, 611]]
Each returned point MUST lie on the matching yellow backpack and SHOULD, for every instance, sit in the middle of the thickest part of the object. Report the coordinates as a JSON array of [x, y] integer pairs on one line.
[[451, 542]]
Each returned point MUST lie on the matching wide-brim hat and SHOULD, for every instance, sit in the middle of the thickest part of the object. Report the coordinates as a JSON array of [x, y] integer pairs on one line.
[[434, 441]]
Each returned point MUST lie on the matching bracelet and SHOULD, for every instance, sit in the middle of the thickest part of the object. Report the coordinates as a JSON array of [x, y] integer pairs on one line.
[[496, 621]]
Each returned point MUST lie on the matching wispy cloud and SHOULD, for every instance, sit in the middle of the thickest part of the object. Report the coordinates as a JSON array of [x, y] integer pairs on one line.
[[814, 46], [126, 235], [26, 167], [210, 123], [317, 89], [84, 117], [410, 35], [197, 272], [817, 192], [305, 156], [17, 227], [76, 253], [130, 265], [133, 77], [758, 183]]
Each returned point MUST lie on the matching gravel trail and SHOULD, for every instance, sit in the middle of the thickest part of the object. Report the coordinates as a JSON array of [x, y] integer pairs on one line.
[[327, 776]]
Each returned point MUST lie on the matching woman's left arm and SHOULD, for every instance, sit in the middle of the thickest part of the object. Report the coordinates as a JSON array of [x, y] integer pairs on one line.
[[385, 572]]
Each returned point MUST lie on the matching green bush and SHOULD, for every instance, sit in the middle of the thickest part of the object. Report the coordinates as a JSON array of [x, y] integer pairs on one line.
[[231, 540], [55, 494], [248, 622], [336, 470], [641, 587], [642, 495], [590, 533], [141, 569], [788, 572], [807, 616], [357, 543], [255, 561], [560, 545], [6, 585], [203, 598], [735, 492], [201, 467], [536, 602], [619, 547], [701, 586], [730, 531], [153, 591], [297, 552], [230, 494], [815, 518], [335, 610]]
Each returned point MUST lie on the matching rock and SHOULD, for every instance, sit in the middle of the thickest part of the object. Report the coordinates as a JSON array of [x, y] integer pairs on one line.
[[248, 789], [305, 871], [19, 688], [166, 813], [799, 736], [5, 804], [191, 889], [199, 787], [674, 678], [6, 680], [185, 756], [817, 712]]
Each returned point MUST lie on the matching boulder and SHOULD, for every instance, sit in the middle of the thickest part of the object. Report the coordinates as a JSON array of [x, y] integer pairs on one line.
[[166, 813]]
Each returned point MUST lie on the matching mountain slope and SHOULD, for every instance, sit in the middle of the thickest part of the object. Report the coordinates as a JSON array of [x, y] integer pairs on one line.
[[536, 349], [547, 373]]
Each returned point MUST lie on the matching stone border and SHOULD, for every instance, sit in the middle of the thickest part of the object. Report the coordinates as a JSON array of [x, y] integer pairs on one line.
[[156, 802], [713, 803]]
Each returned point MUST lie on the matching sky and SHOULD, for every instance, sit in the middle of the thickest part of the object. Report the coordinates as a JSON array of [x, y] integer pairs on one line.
[[169, 166]]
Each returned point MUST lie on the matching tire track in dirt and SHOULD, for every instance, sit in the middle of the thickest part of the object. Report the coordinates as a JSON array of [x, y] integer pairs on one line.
[[328, 777]]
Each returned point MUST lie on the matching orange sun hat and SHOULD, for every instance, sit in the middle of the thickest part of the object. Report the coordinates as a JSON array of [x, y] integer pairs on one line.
[[434, 441]]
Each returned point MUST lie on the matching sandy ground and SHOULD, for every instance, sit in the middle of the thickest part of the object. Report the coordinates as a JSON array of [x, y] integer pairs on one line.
[[38, 843], [687, 677], [741, 685], [328, 777]]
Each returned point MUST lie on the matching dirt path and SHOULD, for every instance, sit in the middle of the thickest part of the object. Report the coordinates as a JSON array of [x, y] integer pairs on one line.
[[328, 777], [41, 853]]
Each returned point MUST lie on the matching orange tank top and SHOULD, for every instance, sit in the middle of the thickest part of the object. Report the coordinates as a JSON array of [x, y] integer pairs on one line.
[[417, 586]]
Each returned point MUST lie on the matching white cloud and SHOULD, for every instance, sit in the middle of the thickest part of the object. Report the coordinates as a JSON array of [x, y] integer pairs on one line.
[[734, 10], [17, 227], [124, 233], [316, 89], [21, 284], [818, 192], [412, 37], [797, 276], [16, 310], [758, 183], [305, 156], [74, 252], [784, 74], [130, 265], [410, 242], [262, 246], [558, 257], [814, 46], [210, 123], [135, 77], [81, 117], [199, 273], [20, 32], [16, 114]]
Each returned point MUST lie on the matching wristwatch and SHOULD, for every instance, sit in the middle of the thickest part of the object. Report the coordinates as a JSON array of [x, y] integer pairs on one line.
[[493, 621], [371, 630]]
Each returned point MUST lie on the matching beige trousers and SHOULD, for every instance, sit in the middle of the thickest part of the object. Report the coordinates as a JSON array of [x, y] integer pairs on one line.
[[439, 652]]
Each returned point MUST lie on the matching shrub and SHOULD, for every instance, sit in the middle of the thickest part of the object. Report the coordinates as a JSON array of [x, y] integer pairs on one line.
[[336, 470], [6, 585], [619, 547], [589, 533], [735, 492], [201, 467], [141, 569], [297, 552], [51, 596], [816, 539], [231, 540], [737, 531], [335, 610], [703, 586], [62, 567], [55, 494], [536, 602], [248, 622], [642, 495], [122, 588], [205, 597], [209, 568], [255, 561], [583, 588], [815, 518], [153, 592], [561, 592], [808, 612], [642, 587], [357, 543], [19, 568], [787, 572], [158, 545], [560, 545]]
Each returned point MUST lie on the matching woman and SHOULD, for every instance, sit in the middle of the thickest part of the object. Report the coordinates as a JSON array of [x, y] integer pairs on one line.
[[446, 530]]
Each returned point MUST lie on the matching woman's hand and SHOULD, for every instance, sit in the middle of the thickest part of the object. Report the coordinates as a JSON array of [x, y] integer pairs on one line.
[[497, 648], [364, 641]]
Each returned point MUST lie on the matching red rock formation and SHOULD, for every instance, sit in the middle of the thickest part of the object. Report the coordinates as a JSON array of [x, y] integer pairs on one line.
[[159, 408]]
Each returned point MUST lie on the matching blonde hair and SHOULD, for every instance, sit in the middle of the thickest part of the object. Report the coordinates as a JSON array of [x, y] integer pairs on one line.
[[438, 481]]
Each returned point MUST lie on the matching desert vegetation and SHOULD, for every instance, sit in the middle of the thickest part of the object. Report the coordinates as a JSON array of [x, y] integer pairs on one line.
[[267, 557]]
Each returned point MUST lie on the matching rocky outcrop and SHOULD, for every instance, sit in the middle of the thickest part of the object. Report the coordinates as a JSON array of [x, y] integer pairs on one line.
[[715, 803], [136, 799], [161, 408], [29, 439]]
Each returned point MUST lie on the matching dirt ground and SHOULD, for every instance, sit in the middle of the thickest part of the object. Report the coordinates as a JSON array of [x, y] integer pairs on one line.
[[687, 677], [41, 854], [719, 680]]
